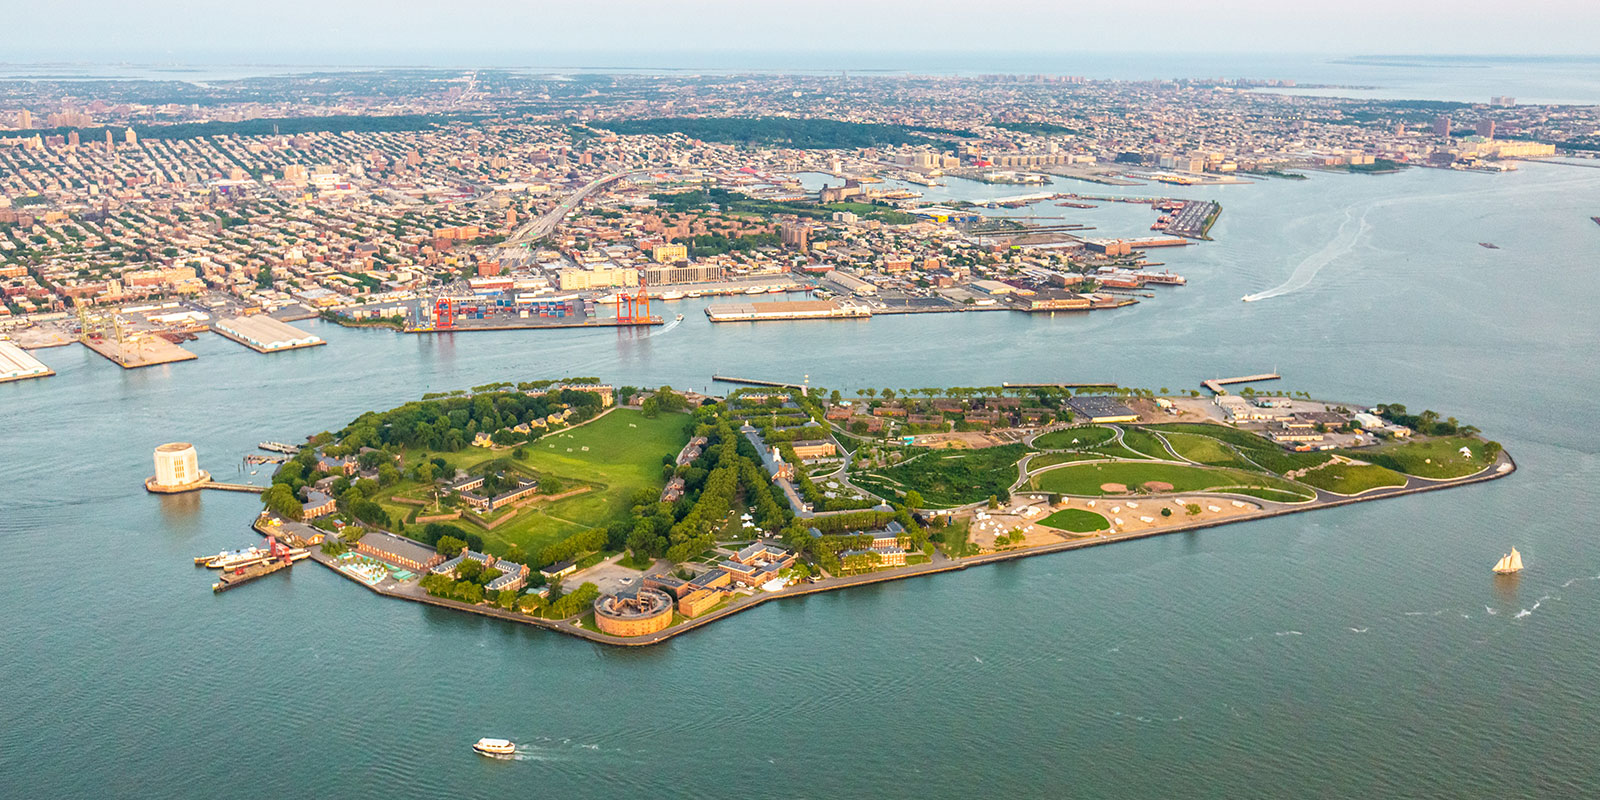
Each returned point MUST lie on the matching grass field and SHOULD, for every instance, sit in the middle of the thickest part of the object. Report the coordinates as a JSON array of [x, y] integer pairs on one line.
[[1143, 441], [1352, 478], [1433, 458], [1051, 459], [624, 455], [1085, 479], [1076, 520], [1074, 438], [1206, 450], [1270, 456]]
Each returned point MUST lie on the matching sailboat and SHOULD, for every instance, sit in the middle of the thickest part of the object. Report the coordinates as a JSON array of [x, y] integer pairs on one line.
[[1509, 563]]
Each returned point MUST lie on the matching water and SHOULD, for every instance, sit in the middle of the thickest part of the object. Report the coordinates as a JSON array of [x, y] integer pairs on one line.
[[1359, 650]]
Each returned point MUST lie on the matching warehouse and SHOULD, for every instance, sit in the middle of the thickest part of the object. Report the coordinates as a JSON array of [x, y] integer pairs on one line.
[[264, 334]]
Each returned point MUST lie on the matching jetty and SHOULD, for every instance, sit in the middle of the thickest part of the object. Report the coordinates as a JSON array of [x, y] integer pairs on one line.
[[758, 382], [278, 447], [138, 351], [1007, 385], [1215, 385]]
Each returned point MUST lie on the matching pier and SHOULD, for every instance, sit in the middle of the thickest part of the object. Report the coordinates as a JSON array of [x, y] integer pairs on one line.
[[1006, 385], [17, 365], [1215, 384], [138, 351], [757, 382]]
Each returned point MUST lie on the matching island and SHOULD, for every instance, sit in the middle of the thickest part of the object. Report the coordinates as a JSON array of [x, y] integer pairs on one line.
[[630, 515]]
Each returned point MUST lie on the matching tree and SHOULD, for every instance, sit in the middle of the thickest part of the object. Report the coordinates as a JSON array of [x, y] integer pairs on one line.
[[450, 546], [388, 475], [913, 499], [281, 500], [469, 570]]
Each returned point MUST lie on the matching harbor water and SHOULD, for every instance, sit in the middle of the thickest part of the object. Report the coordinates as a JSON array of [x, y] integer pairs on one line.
[[1364, 650]]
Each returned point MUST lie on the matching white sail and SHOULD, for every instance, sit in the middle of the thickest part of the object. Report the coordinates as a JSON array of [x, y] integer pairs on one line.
[[1503, 564], [1516, 559]]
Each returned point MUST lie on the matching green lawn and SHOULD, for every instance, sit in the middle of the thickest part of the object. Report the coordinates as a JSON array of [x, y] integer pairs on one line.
[[1144, 442], [1076, 520], [1270, 456], [1352, 478], [1431, 458], [1074, 438], [624, 455], [1051, 459], [1206, 450], [1085, 479]]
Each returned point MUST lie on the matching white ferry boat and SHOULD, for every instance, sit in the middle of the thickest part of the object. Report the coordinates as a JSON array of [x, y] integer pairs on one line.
[[755, 290], [495, 747], [672, 295]]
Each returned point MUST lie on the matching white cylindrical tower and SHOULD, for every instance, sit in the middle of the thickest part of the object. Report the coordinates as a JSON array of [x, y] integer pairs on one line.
[[177, 464]]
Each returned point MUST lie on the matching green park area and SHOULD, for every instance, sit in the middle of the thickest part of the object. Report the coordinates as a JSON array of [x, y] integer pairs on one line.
[[948, 478], [1345, 478], [1090, 479], [604, 463], [1076, 520], [1432, 458], [1206, 450], [1268, 456], [1075, 438]]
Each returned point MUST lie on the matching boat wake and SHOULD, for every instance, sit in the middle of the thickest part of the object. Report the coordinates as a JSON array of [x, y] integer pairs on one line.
[[667, 327], [1350, 234]]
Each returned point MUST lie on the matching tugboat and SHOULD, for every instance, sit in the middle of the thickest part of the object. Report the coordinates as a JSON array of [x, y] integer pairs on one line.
[[495, 747], [1509, 563]]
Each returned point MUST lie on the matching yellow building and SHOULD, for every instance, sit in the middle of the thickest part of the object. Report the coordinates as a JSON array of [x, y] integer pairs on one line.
[[669, 253]]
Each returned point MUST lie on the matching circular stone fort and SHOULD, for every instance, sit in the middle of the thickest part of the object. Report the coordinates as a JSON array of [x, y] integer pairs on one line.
[[633, 613]]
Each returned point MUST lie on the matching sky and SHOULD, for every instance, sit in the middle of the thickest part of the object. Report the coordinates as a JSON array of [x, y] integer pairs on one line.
[[693, 32]]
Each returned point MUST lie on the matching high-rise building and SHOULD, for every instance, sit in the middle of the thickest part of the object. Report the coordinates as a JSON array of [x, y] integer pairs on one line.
[[1485, 128], [130, 137], [25, 119], [796, 235], [1503, 101], [1441, 126], [73, 138]]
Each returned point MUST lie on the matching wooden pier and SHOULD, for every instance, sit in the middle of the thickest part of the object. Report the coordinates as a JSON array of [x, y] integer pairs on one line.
[[1215, 384]]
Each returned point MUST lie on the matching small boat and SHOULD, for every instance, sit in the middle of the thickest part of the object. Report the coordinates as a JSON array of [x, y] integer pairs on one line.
[[693, 295], [495, 747], [1248, 298], [680, 317], [1509, 563], [777, 290], [672, 295], [754, 290], [1489, 245]]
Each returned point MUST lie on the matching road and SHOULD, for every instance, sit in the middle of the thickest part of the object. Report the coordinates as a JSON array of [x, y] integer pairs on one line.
[[545, 225]]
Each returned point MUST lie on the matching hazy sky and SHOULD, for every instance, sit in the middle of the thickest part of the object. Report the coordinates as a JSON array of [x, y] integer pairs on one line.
[[540, 32]]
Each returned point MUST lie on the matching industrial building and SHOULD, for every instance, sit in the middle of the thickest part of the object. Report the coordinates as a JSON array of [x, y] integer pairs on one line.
[[16, 364], [265, 334], [1101, 409]]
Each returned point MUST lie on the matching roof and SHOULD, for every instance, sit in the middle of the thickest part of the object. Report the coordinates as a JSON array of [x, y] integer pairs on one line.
[[1099, 407], [397, 546]]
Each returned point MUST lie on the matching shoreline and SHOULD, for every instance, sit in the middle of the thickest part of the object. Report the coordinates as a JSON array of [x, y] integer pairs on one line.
[[572, 628]]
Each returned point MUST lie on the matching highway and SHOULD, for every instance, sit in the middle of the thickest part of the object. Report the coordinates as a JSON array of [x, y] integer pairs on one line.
[[545, 225]]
